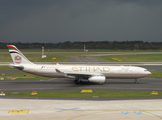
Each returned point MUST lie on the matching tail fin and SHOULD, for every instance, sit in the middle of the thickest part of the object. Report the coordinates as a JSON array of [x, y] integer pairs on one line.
[[17, 57]]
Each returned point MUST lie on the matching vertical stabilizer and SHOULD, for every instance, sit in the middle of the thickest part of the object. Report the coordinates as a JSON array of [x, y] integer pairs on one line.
[[17, 57]]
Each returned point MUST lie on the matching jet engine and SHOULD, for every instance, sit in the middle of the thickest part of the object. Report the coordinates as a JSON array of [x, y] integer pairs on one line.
[[97, 79]]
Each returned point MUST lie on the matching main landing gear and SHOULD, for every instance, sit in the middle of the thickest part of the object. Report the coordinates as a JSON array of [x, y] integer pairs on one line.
[[136, 81], [77, 81]]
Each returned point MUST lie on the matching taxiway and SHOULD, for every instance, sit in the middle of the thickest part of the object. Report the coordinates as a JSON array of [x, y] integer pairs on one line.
[[66, 84]]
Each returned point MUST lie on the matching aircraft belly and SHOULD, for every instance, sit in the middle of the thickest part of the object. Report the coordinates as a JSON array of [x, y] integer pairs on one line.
[[52, 75], [47, 74], [123, 76]]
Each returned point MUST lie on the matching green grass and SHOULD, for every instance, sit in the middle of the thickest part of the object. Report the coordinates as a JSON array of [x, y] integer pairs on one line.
[[16, 74], [89, 50], [80, 50], [32, 78], [5, 67], [52, 50], [5, 57], [77, 94], [21, 76], [63, 57], [134, 58], [36, 57], [156, 74]]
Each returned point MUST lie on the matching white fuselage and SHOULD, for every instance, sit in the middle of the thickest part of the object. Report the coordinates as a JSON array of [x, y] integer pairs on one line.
[[108, 71]]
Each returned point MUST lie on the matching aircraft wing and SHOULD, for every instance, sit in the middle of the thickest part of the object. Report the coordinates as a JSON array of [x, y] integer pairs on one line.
[[79, 73]]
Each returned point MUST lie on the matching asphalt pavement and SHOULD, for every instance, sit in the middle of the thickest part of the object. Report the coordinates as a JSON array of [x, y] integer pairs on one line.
[[66, 84]]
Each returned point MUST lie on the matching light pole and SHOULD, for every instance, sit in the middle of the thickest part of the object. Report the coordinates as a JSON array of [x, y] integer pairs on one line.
[[43, 56], [42, 52], [84, 48]]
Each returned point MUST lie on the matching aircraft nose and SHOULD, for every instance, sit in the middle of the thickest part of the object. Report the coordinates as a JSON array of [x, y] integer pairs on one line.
[[148, 72]]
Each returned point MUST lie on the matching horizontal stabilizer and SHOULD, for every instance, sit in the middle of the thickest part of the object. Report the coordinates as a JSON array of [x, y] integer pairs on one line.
[[20, 67]]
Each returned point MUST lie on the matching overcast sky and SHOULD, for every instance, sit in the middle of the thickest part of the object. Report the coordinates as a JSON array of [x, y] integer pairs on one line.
[[80, 20]]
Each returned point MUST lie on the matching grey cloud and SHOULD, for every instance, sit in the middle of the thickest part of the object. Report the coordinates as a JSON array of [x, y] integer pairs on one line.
[[80, 20]]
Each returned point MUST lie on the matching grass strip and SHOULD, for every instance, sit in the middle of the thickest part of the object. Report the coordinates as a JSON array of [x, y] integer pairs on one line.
[[78, 50], [3, 67], [78, 94], [21, 76], [133, 58], [156, 75]]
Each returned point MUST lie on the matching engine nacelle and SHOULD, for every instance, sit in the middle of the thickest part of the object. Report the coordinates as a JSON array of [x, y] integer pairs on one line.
[[97, 79]]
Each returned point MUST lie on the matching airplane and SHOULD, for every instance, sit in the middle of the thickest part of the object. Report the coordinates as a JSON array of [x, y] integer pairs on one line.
[[91, 73]]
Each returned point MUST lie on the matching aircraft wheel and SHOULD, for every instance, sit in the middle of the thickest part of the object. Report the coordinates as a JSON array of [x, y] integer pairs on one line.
[[76, 81], [136, 81]]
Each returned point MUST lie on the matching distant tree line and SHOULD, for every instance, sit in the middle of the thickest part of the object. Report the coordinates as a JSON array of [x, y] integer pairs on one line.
[[115, 45]]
